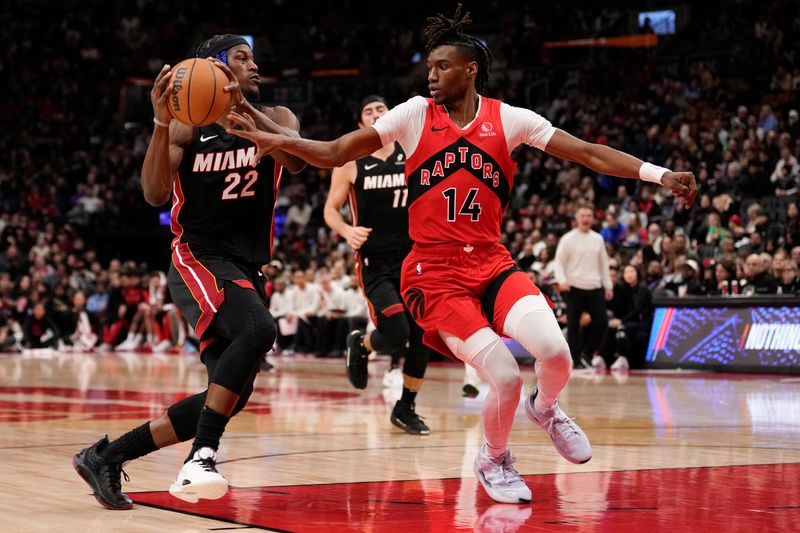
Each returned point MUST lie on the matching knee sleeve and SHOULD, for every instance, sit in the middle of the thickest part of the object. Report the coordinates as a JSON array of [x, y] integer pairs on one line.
[[416, 361], [244, 396], [245, 322], [392, 333], [498, 366], [256, 328], [488, 354], [531, 322]]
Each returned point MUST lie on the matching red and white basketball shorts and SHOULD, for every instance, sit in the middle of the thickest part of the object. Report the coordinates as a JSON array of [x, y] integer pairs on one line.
[[461, 288]]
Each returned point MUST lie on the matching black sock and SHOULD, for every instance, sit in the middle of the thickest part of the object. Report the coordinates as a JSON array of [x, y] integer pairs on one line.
[[395, 360], [210, 428], [408, 396], [132, 445]]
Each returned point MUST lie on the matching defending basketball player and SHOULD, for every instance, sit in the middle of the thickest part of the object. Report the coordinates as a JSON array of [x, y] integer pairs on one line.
[[460, 284], [222, 217], [376, 189]]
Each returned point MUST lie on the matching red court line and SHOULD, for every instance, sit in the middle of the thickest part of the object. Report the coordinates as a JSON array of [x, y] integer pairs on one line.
[[730, 499]]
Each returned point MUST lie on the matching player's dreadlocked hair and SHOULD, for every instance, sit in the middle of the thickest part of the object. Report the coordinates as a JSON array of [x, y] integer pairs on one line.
[[443, 31]]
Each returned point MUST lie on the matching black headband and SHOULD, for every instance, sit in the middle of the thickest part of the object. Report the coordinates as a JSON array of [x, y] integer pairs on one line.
[[220, 49]]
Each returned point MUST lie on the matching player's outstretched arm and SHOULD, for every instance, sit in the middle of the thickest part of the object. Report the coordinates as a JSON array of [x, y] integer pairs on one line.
[[321, 154], [165, 151], [615, 163], [342, 179], [272, 119]]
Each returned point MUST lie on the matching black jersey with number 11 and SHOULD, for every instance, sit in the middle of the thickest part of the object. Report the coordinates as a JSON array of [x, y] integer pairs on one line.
[[221, 204], [379, 200]]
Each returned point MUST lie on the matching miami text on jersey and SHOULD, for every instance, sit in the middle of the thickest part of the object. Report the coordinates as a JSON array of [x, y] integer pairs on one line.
[[384, 181], [216, 161]]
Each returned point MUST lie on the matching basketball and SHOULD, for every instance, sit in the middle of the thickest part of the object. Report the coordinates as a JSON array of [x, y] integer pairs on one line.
[[197, 97]]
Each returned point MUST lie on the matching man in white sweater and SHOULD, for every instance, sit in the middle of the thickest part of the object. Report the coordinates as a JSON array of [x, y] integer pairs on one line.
[[304, 301], [583, 277]]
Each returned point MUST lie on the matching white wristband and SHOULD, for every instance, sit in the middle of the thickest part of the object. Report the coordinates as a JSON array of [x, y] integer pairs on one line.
[[652, 173], [160, 124]]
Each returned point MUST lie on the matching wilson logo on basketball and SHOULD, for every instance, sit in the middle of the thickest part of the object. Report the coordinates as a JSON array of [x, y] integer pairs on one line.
[[176, 88], [415, 301], [487, 130]]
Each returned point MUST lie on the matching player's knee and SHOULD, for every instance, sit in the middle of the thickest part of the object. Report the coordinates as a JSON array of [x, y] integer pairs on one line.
[[553, 350], [257, 328], [508, 379], [395, 331]]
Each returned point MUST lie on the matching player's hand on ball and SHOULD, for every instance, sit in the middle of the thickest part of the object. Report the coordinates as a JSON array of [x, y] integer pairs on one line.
[[682, 185], [233, 87], [161, 90]]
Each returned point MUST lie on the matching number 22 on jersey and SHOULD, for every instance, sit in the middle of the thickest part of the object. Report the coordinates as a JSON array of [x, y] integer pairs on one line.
[[234, 179]]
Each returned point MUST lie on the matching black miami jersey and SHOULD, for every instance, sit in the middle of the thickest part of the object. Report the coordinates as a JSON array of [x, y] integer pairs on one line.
[[221, 204], [379, 200]]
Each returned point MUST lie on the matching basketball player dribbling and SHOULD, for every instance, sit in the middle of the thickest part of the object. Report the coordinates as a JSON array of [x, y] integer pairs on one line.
[[460, 284], [222, 217], [376, 188]]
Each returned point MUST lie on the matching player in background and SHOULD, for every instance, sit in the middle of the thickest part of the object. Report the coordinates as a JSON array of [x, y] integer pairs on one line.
[[460, 284], [222, 216], [376, 189]]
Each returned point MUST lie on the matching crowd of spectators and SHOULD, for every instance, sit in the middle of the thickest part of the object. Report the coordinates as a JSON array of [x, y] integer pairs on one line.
[[719, 99]]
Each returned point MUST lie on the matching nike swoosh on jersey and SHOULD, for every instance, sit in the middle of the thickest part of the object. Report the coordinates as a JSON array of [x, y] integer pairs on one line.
[[434, 128], [204, 139], [370, 167]]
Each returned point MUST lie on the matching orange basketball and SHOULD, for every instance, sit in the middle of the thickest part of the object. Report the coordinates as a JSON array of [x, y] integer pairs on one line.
[[197, 97]]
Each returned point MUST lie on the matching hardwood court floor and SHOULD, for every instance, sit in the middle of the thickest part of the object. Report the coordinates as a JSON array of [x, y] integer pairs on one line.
[[672, 452]]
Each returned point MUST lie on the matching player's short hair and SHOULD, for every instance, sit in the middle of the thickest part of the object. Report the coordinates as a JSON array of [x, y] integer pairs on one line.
[[442, 31], [218, 46], [368, 100]]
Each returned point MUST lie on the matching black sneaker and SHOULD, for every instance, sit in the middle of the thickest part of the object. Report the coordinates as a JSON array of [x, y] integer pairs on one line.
[[102, 476], [356, 358], [404, 417], [470, 391]]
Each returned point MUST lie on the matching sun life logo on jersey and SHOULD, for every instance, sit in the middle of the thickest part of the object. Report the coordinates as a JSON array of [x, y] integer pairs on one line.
[[487, 130]]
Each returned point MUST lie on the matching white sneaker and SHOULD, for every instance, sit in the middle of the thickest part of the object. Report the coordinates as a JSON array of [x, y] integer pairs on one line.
[[129, 344], [393, 378], [621, 363], [162, 346], [568, 438], [199, 478], [598, 363], [500, 479]]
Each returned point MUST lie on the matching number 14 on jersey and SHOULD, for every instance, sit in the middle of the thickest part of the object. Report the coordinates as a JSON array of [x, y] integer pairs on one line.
[[468, 207]]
